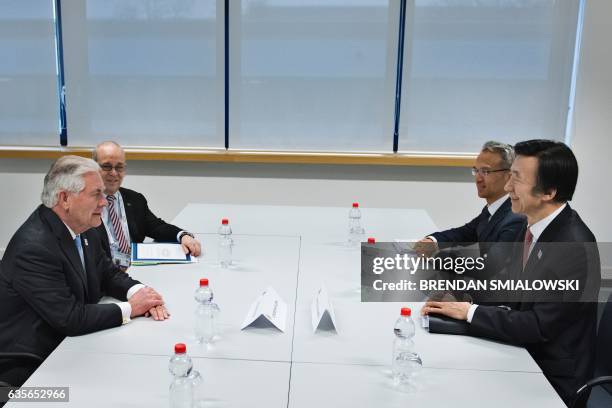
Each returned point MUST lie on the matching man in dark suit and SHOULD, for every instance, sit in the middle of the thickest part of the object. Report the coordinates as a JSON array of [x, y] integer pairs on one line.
[[54, 271], [128, 218], [496, 223], [556, 327]]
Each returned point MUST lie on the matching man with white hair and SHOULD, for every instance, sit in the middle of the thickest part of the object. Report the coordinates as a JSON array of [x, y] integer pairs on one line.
[[54, 271]]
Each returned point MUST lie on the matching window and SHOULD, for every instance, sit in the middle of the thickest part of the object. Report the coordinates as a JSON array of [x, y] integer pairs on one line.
[[312, 75], [28, 80], [489, 69], [143, 72]]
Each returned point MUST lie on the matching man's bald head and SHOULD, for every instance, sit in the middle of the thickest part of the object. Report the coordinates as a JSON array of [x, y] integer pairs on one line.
[[111, 158]]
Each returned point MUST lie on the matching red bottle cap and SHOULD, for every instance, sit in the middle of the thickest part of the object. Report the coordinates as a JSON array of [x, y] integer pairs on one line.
[[371, 240], [224, 221], [180, 348], [204, 282], [406, 311], [355, 205]]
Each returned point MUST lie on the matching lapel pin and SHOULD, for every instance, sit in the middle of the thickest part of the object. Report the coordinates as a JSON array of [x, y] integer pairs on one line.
[[540, 254], [86, 243]]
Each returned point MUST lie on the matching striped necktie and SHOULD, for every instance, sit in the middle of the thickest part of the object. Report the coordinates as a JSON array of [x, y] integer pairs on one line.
[[124, 245]]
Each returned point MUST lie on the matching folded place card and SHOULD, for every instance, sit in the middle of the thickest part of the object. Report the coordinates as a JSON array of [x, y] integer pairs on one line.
[[323, 316], [267, 309]]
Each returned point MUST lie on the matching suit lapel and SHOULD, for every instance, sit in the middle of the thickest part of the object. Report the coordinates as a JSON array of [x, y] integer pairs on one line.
[[129, 213], [549, 234], [66, 243], [495, 219]]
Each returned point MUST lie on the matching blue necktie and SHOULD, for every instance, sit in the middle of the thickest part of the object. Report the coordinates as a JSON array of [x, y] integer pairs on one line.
[[79, 245]]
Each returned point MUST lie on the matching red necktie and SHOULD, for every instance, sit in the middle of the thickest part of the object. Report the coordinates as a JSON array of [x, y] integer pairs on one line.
[[124, 245], [526, 246]]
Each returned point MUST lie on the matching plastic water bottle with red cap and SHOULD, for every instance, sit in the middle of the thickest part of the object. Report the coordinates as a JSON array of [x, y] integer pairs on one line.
[[406, 362], [356, 231], [225, 244], [207, 313], [181, 388]]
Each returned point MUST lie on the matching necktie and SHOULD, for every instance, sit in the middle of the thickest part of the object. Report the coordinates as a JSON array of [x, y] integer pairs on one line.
[[483, 221], [485, 213], [79, 246], [124, 245], [526, 246]]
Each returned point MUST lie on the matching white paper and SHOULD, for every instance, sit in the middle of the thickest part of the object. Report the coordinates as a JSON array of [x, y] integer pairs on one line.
[[163, 252], [268, 306], [323, 316], [410, 242], [425, 322]]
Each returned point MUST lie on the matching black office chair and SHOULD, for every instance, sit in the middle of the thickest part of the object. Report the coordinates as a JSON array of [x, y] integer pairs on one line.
[[603, 366], [16, 367]]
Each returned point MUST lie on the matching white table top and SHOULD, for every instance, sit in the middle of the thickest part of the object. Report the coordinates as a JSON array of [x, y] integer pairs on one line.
[[365, 330], [260, 261], [295, 250], [355, 386], [126, 380]]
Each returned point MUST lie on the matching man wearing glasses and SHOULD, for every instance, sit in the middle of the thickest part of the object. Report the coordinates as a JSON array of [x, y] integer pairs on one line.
[[496, 222], [557, 327], [127, 218]]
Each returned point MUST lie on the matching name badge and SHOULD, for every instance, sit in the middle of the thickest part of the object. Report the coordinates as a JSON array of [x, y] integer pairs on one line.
[[121, 259]]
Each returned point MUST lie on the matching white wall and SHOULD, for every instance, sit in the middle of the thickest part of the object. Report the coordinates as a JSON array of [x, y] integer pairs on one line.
[[446, 193]]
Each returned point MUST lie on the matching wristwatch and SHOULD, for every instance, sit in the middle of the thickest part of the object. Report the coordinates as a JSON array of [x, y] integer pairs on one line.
[[183, 234]]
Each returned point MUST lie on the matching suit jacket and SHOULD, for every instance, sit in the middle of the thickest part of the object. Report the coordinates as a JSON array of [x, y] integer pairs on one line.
[[503, 226], [490, 234], [559, 333], [46, 295], [141, 221]]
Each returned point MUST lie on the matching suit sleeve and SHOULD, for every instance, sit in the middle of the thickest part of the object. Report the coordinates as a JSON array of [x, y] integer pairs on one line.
[[452, 237], [551, 313], [510, 230], [41, 280], [115, 283], [157, 228]]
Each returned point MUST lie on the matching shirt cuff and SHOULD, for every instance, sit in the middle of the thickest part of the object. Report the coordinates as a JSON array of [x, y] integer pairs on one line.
[[133, 290], [432, 238], [126, 311], [470, 314], [178, 236]]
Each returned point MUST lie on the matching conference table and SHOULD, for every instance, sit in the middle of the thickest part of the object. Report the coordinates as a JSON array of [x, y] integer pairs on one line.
[[296, 251]]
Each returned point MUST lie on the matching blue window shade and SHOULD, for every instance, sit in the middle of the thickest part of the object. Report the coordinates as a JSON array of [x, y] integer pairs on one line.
[[491, 69], [28, 80], [312, 75], [144, 73]]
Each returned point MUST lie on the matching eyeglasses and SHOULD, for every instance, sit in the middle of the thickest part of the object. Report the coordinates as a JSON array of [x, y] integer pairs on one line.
[[485, 172], [107, 167]]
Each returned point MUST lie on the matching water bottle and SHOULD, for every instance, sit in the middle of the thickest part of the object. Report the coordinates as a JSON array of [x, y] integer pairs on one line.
[[197, 383], [356, 231], [206, 314], [225, 243], [406, 362], [181, 388]]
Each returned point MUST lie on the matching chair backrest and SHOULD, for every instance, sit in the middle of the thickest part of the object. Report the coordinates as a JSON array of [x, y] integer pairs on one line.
[[603, 364]]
